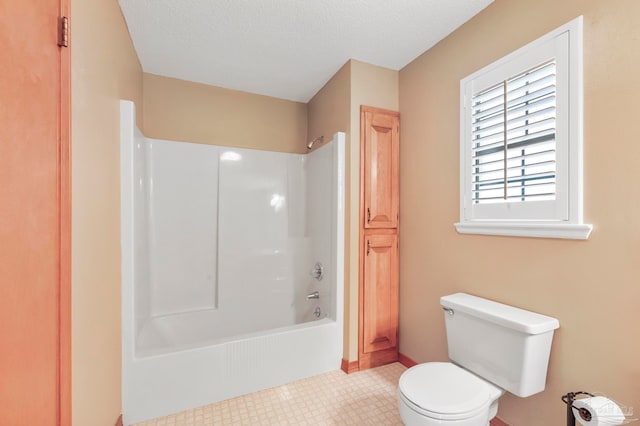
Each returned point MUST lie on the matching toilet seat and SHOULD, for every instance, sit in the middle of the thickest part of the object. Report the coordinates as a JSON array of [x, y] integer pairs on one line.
[[444, 391], [441, 416]]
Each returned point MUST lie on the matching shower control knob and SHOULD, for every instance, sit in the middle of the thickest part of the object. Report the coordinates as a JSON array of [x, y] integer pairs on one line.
[[317, 271]]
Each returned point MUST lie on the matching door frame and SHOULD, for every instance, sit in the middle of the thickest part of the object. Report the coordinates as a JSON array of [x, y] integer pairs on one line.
[[64, 192]]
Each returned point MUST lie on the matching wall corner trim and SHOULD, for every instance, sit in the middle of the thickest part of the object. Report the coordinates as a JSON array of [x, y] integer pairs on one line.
[[406, 361], [497, 421], [349, 367]]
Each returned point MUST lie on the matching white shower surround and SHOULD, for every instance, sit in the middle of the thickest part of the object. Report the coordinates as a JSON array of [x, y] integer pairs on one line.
[[174, 355]]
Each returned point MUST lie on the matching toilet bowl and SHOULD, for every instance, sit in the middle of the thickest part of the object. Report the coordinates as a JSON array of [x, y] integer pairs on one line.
[[442, 393], [493, 348]]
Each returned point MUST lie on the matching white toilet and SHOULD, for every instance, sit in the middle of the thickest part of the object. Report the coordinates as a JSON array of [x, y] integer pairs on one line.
[[493, 348]]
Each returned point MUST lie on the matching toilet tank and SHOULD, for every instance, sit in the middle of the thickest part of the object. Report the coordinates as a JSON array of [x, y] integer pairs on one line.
[[505, 345]]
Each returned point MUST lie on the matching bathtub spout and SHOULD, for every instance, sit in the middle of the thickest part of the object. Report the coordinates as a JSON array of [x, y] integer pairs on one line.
[[314, 295]]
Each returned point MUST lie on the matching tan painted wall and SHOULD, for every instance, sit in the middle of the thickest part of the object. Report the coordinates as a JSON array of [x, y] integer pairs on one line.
[[592, 287], [104, 69], [193, 112], [328, 110], [336, 107]]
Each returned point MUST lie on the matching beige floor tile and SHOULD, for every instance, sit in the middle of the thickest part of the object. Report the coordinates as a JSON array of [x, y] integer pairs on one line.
[[364, 398]]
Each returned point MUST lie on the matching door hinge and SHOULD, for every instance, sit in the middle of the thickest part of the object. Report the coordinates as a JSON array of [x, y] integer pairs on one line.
[[63, 32]]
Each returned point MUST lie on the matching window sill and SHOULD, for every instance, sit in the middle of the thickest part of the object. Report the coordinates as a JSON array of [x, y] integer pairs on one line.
[[538, 230]]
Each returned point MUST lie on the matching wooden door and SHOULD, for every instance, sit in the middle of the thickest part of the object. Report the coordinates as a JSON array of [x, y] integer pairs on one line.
[[380, 132], [379, 299], [34, 215]]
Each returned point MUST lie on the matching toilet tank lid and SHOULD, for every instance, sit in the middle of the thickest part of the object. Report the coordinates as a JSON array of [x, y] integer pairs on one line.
[[505, 315]]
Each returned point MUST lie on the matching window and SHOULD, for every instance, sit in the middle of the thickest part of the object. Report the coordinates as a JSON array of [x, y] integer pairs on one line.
[[521, 141]]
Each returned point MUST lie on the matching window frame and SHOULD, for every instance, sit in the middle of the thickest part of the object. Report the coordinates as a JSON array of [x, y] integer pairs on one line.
[[565, 218]]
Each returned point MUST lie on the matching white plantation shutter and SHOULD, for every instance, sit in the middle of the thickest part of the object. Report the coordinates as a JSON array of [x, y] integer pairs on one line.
[[521, 141], [513, 148]]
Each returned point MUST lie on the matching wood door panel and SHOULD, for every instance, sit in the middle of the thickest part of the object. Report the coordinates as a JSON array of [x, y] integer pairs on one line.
[[380, 293], [380, 160], [33, 136]]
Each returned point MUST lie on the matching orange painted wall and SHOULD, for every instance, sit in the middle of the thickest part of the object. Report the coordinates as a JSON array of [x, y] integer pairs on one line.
[[104, 69], [592, 287]]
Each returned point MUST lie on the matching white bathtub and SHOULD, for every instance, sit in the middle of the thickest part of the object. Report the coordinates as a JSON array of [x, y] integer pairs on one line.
[[163, 384], [183, 352]]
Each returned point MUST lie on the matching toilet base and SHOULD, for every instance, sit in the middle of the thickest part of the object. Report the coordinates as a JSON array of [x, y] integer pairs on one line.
[[412, 418]]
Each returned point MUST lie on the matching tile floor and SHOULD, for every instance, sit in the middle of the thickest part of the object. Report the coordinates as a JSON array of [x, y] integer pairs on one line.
[[364, 398]]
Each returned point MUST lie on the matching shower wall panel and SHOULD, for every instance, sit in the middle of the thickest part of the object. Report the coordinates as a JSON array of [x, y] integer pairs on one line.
[[261, 224], [320, 204], [224, 239], [183, 217], [140, 190]]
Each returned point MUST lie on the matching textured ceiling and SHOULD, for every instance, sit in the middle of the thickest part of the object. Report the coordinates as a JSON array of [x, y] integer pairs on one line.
[[285, 48]]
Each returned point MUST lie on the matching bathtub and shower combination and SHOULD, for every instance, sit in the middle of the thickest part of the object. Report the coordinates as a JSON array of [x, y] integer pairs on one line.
[[232, 269]]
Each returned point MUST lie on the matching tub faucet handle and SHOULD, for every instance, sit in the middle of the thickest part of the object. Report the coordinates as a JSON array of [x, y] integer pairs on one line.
[[314, 295]]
